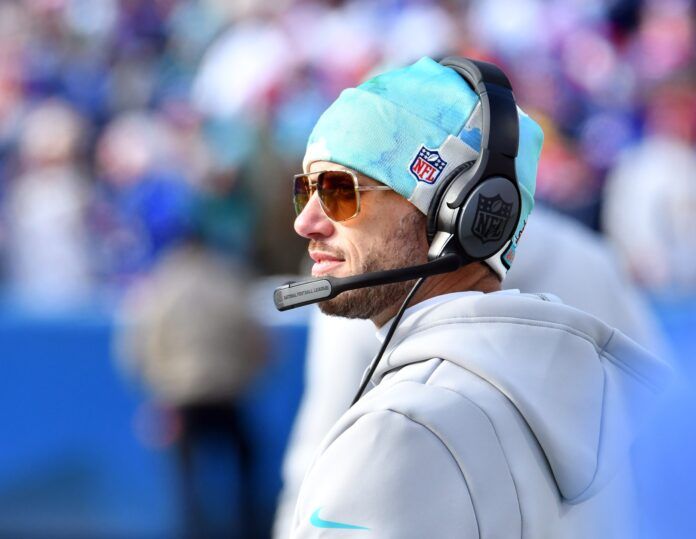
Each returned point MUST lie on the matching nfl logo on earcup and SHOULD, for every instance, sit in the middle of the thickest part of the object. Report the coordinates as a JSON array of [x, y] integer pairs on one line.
[[489, 217], [492, 215]]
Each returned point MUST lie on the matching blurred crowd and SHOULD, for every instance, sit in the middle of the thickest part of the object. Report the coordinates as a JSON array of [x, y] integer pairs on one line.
[[130, 126], [147, 146]]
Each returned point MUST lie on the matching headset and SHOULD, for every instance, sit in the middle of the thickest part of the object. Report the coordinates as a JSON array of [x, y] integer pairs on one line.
[[472, 215], [475, 210]]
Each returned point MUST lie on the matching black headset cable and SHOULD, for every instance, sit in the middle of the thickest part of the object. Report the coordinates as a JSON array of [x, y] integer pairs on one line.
[[390, 334]]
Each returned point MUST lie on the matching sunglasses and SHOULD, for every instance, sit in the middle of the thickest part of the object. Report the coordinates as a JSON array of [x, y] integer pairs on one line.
[[338, 191]]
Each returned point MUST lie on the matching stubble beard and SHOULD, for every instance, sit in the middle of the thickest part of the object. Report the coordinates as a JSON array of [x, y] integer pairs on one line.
[[405, 247]]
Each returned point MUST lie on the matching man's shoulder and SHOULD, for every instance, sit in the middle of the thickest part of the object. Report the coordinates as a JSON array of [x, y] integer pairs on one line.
[[443, 436], [446, 399], [438, 390]]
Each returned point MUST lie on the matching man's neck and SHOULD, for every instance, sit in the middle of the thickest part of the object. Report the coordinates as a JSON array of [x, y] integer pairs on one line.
[[472, 277]]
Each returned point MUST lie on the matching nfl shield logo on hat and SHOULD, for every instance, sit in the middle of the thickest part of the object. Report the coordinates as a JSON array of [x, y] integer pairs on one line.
[[427, 165]]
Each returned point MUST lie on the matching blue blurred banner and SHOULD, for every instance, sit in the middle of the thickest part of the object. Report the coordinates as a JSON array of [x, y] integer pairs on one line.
[[75, 460]]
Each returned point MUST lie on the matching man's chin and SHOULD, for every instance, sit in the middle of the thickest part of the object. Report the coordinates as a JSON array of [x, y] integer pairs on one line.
[[343, 305], [366, 303]]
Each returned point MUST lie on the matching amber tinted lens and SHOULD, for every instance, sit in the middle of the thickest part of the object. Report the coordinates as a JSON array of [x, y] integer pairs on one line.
[[338, 195], [301, 193]]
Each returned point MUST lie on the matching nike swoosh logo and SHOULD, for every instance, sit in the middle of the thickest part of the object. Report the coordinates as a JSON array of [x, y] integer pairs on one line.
[[319, 522]]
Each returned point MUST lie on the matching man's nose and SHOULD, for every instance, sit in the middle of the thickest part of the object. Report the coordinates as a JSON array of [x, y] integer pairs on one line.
[[313, 223]]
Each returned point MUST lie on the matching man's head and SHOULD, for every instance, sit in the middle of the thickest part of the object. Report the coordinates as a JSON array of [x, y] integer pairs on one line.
[[406, 129]]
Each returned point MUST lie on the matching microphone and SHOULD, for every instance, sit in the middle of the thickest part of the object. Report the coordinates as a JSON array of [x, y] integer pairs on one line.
[[298, 294]]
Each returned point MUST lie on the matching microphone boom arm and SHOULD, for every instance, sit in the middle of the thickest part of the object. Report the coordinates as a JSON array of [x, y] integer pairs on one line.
[[298, 294]]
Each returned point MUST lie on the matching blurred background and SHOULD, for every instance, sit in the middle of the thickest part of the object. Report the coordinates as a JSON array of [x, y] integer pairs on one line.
[[147, 385]]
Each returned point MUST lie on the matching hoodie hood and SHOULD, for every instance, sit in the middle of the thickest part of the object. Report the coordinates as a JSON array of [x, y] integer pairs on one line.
[[583, 387]]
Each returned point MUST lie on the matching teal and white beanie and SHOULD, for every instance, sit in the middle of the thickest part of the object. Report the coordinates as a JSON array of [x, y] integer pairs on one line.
[[409, 128]]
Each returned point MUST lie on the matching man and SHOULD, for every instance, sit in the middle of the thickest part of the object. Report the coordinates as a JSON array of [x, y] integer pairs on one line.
[[494, 413], [559, 256]]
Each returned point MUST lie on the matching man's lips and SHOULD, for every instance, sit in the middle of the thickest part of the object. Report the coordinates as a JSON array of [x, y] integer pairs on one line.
[[324, 262]]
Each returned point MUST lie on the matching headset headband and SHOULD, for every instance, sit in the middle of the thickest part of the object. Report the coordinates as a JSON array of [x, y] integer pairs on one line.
[[475, 210], [498, 113]]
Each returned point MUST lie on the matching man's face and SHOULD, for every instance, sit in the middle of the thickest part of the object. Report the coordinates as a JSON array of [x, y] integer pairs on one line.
[[388, 233]]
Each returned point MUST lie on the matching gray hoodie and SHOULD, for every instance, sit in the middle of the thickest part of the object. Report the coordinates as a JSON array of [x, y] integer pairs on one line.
[[495, 416]]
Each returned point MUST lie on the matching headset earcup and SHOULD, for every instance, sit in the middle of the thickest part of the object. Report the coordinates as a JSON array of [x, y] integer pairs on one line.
[[488, 218]]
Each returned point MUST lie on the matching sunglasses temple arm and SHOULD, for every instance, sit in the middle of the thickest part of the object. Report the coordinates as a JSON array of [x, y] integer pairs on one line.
[[297, 294]]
